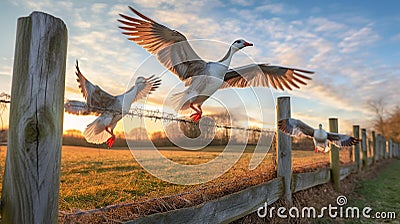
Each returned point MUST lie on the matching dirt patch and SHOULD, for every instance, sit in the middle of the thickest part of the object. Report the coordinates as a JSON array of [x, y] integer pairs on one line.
[[318, 197]]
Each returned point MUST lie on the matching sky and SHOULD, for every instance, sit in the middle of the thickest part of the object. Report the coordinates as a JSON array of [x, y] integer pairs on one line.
[[353, 47]]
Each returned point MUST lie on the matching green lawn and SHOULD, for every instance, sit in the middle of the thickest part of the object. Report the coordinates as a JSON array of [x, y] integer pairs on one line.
[[382, 194]]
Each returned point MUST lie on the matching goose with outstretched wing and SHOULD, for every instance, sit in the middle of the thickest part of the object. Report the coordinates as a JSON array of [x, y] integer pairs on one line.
[[109, 108], [203, 78], [320, 136]]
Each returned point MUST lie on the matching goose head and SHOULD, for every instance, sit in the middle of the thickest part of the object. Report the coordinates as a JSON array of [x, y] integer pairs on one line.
[[140, 79], [239, 44]]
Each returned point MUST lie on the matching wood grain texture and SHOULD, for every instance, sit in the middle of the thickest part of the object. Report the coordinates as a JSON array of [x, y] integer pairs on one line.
[[356, 147], [31, 179], [334, 156], [364, 146], [284, 148], [221, 210], [374, 159], [302, 181], [378, 147], [347, 170], [385, 148]]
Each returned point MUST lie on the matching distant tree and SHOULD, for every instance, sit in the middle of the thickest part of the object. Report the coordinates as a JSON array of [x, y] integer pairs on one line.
[[392, 125], [159, 138], [378, 106], [387, 120], [138, 134]]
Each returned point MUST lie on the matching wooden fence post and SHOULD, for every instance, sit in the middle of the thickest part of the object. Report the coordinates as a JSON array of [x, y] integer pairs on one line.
[[386, 151], [379, 147], [390, 149], [382, 148], [284, 148], [374, 147], [32, 171], [364, 147], [356, 148], [383, 145], [334, 156]]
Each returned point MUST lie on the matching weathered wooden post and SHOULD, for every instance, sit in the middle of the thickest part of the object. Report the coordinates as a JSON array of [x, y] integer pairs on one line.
[[364, 146], [382, 148], [385, 151], [32, 171], [356, 148], [390, 148], [334, 156], [379, 148], [374, 147], [284, 148]]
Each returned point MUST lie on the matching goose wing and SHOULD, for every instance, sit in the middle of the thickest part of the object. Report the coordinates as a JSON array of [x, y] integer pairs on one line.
[[170, 46], [94, 95], [295, 127], [278, 77], [342, 140], [146, 87]]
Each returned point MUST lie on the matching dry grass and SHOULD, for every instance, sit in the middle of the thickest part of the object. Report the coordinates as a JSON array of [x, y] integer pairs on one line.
[[93, 178]]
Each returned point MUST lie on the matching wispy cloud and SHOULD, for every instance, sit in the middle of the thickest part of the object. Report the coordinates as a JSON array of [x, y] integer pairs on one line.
[[275, 8], [355, 39], [395, 38]]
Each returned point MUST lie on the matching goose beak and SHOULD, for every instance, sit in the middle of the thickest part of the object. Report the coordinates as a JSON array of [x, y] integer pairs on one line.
[[247, 44]]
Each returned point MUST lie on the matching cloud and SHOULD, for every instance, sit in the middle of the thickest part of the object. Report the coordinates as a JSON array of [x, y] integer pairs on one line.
[[275, 9], [98, 7], [355, 39], [395, 38], [326, 26], [82, 24]]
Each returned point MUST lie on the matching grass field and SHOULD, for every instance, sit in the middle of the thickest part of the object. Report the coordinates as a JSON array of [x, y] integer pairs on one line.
[[381, 194], [93, 178]]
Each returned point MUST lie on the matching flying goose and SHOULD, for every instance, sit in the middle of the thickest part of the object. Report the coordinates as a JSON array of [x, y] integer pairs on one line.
[[108, 107], [202, 78], [320, 136]]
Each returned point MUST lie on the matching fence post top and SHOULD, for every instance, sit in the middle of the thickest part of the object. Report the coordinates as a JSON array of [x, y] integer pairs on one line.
[[283, 98]]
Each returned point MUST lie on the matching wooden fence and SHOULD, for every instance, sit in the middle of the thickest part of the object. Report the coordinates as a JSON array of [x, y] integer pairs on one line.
[[32, 173], [242, 203]]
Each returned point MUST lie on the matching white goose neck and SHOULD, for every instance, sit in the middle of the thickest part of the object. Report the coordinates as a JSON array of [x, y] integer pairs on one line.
[[226, 60]]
